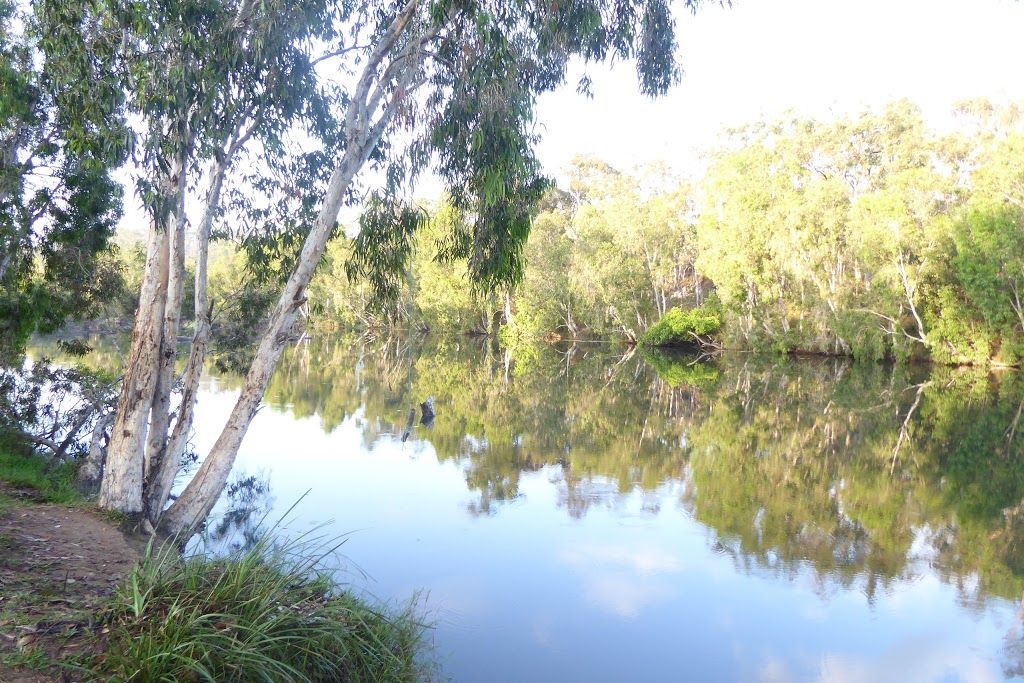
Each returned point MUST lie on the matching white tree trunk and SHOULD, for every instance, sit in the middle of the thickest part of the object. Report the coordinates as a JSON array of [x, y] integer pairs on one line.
[[121, 489], [910, 291], [508, 308], [199, 497], [161, 480], [362, 135], [160, 412]]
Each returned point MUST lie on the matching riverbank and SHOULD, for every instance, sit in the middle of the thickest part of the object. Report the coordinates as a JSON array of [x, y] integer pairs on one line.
[[60, 566], [82, 600]]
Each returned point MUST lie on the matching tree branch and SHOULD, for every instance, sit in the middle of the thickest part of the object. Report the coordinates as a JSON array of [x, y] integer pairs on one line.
[[357, 108], [337, 53], [905, 428]]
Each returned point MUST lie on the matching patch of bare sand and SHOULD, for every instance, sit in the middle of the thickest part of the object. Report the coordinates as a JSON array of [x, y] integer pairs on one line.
[[59, 565]]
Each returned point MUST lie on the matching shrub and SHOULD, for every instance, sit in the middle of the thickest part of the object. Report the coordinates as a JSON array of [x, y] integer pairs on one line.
[[678, 327]]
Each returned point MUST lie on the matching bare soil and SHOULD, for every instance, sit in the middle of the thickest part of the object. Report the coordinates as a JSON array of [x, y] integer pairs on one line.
[[59, 565]]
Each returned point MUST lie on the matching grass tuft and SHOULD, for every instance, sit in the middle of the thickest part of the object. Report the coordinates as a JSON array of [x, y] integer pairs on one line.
[[271, 613], [32, 658]]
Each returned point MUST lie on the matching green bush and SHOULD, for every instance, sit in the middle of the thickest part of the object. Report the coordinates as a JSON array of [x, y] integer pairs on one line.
[[678, 327]]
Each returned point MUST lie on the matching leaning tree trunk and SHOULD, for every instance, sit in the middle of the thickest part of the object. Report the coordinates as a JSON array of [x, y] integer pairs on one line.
[[199, 497], [362, 135]]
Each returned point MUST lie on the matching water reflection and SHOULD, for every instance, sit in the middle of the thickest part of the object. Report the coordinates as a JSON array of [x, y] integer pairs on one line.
[[242, 519], [863, 473]]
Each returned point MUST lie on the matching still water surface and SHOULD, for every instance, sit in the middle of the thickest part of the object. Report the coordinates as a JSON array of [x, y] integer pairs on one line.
[[576, 515]]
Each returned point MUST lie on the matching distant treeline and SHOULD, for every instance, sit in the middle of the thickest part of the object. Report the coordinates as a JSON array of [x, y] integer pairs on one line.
[[873, 236]]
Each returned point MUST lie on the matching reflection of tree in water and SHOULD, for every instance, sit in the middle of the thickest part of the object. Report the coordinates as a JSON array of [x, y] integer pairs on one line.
[[248, 502], [868, 476], [1012, 653], [496, 488], [862, 474], [106, 352], [577, 494]]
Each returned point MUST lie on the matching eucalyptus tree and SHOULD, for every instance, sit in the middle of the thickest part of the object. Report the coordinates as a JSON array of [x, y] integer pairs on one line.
[[62, 132], [609, 270], [736, 234], [446, 85], [989, 260], [902, 231], [547, 299], [832, 236], [205, 79]]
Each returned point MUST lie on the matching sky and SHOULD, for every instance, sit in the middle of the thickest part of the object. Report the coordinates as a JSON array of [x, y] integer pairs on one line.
[[819, 58]]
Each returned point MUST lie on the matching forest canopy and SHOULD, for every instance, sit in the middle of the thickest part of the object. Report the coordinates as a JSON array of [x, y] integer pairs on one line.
[[871, 235]]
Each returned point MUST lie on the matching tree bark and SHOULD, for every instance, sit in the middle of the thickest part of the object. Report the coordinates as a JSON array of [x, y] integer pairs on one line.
[[508, 308], [199, 497], [90, 473], [160, 412], [121, 489], [162, 478]]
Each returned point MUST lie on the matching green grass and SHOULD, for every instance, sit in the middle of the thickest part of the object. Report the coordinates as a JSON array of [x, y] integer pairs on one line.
[[32, 658], [272, 613], [267, 614], [54, 482]]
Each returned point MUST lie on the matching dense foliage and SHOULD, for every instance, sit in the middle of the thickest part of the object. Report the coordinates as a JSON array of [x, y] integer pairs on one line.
[[62, 134], [681, 328], [871, 235]]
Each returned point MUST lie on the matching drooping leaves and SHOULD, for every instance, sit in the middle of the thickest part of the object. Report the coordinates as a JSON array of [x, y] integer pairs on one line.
[[382, 249]]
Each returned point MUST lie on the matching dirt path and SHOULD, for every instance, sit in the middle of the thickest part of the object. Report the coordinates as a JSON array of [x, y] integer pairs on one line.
[[58, 566]]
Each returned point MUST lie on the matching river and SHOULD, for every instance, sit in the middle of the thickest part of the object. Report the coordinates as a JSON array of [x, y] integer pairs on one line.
[[578, 513]]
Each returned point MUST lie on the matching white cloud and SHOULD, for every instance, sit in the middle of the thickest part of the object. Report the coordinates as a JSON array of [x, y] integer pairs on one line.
[[623, 579]]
